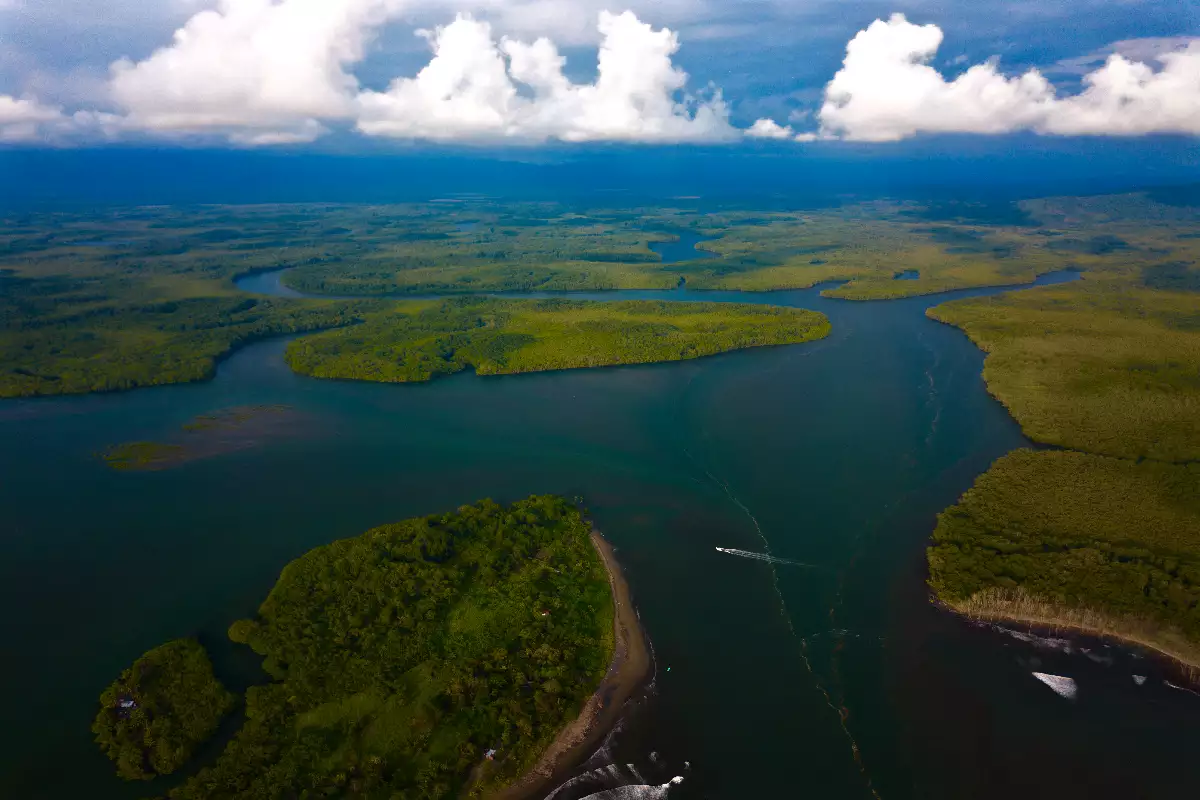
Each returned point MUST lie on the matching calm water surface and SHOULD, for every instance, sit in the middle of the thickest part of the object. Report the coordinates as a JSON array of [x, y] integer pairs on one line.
[[683, 248], [836, 680]]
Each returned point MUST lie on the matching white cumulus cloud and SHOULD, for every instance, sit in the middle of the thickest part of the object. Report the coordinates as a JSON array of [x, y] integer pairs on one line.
[[476, 87], [568, 23], [263, 72], [886, 90], [770, 129], [258, 71], [1127, 97], [24, 119], [271, 72]]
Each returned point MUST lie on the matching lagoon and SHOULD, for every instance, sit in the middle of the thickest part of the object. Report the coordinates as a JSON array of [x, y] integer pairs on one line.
[[683, 248], [836, 454]]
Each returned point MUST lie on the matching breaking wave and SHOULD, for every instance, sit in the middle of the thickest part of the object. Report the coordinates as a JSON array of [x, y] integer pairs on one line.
[[1062, 686], [613, 782]]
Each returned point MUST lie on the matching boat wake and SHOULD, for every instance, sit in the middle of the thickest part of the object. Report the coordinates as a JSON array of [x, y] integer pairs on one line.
[[614, 782], [770, 559]]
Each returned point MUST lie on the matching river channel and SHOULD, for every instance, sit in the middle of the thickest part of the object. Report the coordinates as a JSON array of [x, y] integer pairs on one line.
[[831, 678]]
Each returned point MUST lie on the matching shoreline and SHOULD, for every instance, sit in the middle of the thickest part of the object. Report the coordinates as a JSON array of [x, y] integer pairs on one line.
[[631, 665], [1053, 618]]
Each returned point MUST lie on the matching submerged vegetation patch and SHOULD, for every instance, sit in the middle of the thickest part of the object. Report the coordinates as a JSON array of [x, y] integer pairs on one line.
[[208, 435], [144, 455]]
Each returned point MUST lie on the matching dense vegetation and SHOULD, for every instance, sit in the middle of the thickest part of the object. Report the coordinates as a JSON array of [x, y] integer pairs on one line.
[[1110, 367], [492, 336], [1079, 529], [67, 336], [523, 247], [400, 657], [125, 347], [1100, 365], [155, 714], [138, 297], [144, 296]]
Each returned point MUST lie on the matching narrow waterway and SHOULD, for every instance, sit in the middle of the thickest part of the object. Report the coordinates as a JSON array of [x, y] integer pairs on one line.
[[831, 677]]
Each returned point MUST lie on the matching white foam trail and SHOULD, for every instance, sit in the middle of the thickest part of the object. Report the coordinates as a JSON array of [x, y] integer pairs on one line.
[[770, 559], [630, 793], [644, 792], [1062, 686], [1139, 679], [1063, 645]]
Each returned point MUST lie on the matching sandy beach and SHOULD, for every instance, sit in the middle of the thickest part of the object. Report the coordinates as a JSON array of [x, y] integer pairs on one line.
[[627, 672]]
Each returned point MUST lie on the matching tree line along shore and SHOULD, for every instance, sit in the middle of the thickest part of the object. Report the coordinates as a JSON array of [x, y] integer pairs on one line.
[[1100, 534]]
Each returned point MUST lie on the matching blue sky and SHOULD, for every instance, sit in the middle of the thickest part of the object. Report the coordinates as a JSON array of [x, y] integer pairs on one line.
[[772, 60]]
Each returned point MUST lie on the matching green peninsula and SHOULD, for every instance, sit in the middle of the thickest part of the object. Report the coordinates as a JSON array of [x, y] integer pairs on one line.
[[1104, 536], [401, 658], [155, 714], [1076, 540], [498, 336], [1102, 365]]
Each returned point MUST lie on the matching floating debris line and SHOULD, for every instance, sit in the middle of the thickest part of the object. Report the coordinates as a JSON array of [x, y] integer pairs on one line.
[[770, 559], [843, 713]]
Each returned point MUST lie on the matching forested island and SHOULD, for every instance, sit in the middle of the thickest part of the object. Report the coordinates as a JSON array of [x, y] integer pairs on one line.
[[500, 336], [159, 710], [431, 658], [1104, 535]]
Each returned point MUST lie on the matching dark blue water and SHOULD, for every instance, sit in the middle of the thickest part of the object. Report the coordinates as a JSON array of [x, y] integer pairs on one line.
[[682, 248], [837, 454], [269, 283]]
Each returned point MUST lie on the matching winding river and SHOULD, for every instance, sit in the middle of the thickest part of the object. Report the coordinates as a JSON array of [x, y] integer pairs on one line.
[[831, 677]]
